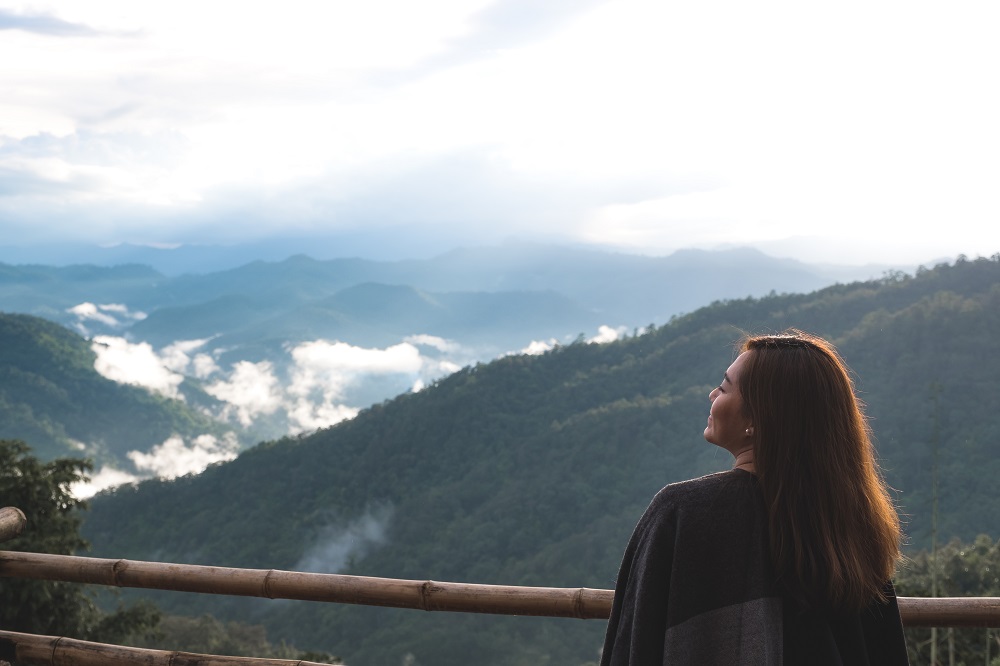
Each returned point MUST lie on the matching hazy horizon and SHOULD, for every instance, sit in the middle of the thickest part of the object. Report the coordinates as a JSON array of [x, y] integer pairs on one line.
[[175, 259]]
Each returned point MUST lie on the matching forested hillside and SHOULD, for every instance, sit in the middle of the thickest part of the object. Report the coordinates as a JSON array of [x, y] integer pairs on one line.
[[533, 470], [52, 397]]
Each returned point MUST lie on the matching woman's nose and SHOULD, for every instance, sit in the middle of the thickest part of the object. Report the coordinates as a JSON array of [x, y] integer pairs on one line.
[[713, 393]]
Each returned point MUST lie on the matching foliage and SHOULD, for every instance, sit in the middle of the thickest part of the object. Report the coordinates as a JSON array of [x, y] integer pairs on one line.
[[41, 491], [207, 635], [963, 570]]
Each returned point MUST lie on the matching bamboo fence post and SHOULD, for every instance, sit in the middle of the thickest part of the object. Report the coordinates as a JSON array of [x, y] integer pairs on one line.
[[52, 650], [428, 595], [12, 522]]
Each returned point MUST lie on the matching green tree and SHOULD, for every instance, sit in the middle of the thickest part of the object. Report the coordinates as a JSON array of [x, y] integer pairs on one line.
[[963, 570], [42, 491]]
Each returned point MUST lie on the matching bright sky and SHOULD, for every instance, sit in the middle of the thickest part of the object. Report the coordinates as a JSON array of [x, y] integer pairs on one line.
[[847, 132]]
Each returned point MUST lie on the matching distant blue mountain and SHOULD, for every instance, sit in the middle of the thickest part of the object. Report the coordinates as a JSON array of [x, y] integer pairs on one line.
[[606, 287]]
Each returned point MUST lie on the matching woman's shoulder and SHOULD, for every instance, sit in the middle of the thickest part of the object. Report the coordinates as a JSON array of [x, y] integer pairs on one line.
[[703, 495], [708, 486], [704, 517]]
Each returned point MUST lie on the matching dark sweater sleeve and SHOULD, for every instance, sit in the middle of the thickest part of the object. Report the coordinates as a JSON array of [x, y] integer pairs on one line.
[[883, 631], [637, 626]]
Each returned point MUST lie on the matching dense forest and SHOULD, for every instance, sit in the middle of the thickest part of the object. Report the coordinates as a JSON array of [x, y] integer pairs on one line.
[[533, 469]]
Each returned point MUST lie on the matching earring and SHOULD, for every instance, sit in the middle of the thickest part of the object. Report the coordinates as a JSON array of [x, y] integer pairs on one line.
[[749, 432]]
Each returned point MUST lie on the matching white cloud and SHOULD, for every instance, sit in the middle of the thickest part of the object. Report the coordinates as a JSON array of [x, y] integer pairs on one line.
[[89, 311], [441, 368], [176, 356], [441, 344], [323, 370], [137, 364], [251, 390], [320, 375], [607, 334], [175, 458], [604, 334], [319, 360], [204, 366], [536, 347], [305, 415], [107, 477], [111, 315]]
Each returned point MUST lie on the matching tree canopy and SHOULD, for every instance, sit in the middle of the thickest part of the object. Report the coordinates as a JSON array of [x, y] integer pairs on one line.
[[42, 491]]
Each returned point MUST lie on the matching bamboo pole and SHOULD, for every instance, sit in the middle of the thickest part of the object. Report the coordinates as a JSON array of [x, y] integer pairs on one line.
[[12, 521], [52, 650], [428, 595], [275, 584], [950, 611]]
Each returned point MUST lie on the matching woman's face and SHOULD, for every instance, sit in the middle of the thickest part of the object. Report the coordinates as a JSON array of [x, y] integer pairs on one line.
[[727, 422]]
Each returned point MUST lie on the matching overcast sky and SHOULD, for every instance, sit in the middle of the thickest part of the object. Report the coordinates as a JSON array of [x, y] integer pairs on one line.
[[847, 132]]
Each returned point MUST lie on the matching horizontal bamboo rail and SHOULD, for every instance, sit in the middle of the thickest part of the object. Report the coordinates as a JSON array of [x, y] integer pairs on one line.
[[275, 584], [428, 595], [52, 650], [12, 521]]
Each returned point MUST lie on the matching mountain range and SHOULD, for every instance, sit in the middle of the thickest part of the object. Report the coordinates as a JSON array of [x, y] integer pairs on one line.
[[271, 348]]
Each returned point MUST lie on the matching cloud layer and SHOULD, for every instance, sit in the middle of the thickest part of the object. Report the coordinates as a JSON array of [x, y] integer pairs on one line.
[[172, 458], [310, 391]]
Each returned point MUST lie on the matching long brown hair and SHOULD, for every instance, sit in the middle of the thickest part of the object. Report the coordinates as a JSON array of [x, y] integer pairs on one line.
[[834, 533]]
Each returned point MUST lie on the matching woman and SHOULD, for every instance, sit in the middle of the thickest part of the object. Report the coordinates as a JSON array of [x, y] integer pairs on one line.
[[786, 558]]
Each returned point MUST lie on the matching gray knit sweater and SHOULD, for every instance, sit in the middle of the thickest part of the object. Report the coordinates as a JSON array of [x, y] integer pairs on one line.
[[696, 587]]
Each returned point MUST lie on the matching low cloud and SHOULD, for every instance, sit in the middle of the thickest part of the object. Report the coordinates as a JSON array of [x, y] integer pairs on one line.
[[338, 544], [323, 371], [537, 347], [136, 364], [604, 334], [175, 457], [107, 477], [252, 390], [177, 357], [109, 315], [315, 392], [607, 334]]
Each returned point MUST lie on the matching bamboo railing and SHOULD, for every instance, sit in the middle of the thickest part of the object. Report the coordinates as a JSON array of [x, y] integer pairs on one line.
[[51, 650], [424, 595], [12, 522], [275, 584]]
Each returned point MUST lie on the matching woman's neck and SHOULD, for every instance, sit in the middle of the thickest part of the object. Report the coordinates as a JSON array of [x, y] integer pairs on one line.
[[744, 460]]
